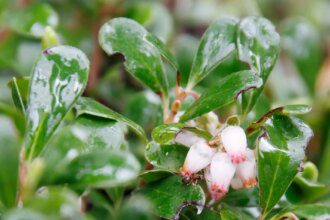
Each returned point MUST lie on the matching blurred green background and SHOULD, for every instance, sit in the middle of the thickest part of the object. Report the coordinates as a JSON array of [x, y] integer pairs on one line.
[[301, 75]]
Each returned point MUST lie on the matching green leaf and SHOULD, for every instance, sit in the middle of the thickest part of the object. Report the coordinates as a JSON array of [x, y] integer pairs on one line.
[[258, 45], [33, 20], [9, 160], [223, 93], [91, 107], [58, 79], [49, 38], [169, 195], [19, 92], [312, 211], [154, 175], [216, 44], [107, 168], [243, 197], [15, 115], [142, 56], [189, 213], [280, 152], [53, 203], [166, 132], [303, 190], [302, 41], [87, 134], [169, 157], [233, 213], [285, 110]]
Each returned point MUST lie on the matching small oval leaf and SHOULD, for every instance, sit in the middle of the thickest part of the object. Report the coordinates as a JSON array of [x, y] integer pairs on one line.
[[58, 79]]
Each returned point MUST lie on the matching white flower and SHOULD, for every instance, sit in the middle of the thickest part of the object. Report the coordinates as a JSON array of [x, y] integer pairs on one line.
[[199, 156], [222, 172], [208, 178], [234, 141], [236, 183], [187, 138], [247, 170]]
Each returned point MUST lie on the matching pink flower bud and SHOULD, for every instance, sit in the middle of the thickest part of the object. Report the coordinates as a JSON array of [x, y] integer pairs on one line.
[[214, 194], [234, 141], [247, 170], [187, 138], [199, 156], [222, 172]]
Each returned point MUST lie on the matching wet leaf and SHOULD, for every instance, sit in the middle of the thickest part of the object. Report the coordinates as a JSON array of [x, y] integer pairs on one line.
[[166, 132], [87, 134], [142, 51], [258, 45], [154, 175], [33, 20], [216, 44], [58, 79], [105, 168], [280, 154], [223, 93], [19, 92], [9, 152], [170, 194], [302, 41], [88, 106], [169, 157]]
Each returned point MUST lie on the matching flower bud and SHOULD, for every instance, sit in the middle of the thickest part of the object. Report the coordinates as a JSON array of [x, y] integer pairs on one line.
[[234, 141], [214, 194], [199, 156], [247, 170], [187, 138], [222, 172]]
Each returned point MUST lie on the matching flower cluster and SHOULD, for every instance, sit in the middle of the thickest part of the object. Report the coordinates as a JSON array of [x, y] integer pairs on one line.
[[226, 162]]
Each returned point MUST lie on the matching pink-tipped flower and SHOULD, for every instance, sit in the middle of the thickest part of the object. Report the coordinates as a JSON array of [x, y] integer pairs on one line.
[[187, 138], [234, 141], [214, 194], [222, 172], [247, 170], [199, 156]]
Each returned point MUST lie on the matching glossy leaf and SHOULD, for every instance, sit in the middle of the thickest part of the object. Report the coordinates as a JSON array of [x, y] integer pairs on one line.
[[169, 157], [53, 203], [312, 211], [280, 153], [303, 190], [233, 213], [154, 175], [89, 106], [87, 134], [58, 79], [19, 92], [108, 168], [33, 20], [9, 160], [258, 45], [286, 110], [142, 56], [223, 93], [166, 132], [216, 44], [242, 198], [302, 41], [169, 195]]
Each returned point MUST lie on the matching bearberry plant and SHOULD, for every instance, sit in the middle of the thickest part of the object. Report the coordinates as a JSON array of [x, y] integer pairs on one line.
[[201, 161]]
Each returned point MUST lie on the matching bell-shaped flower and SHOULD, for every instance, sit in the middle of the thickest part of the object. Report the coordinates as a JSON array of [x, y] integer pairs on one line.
[[236, 183], [233, 139], [199, 156], [187, 138], [208, 178], [247, 170], [222, 172]]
